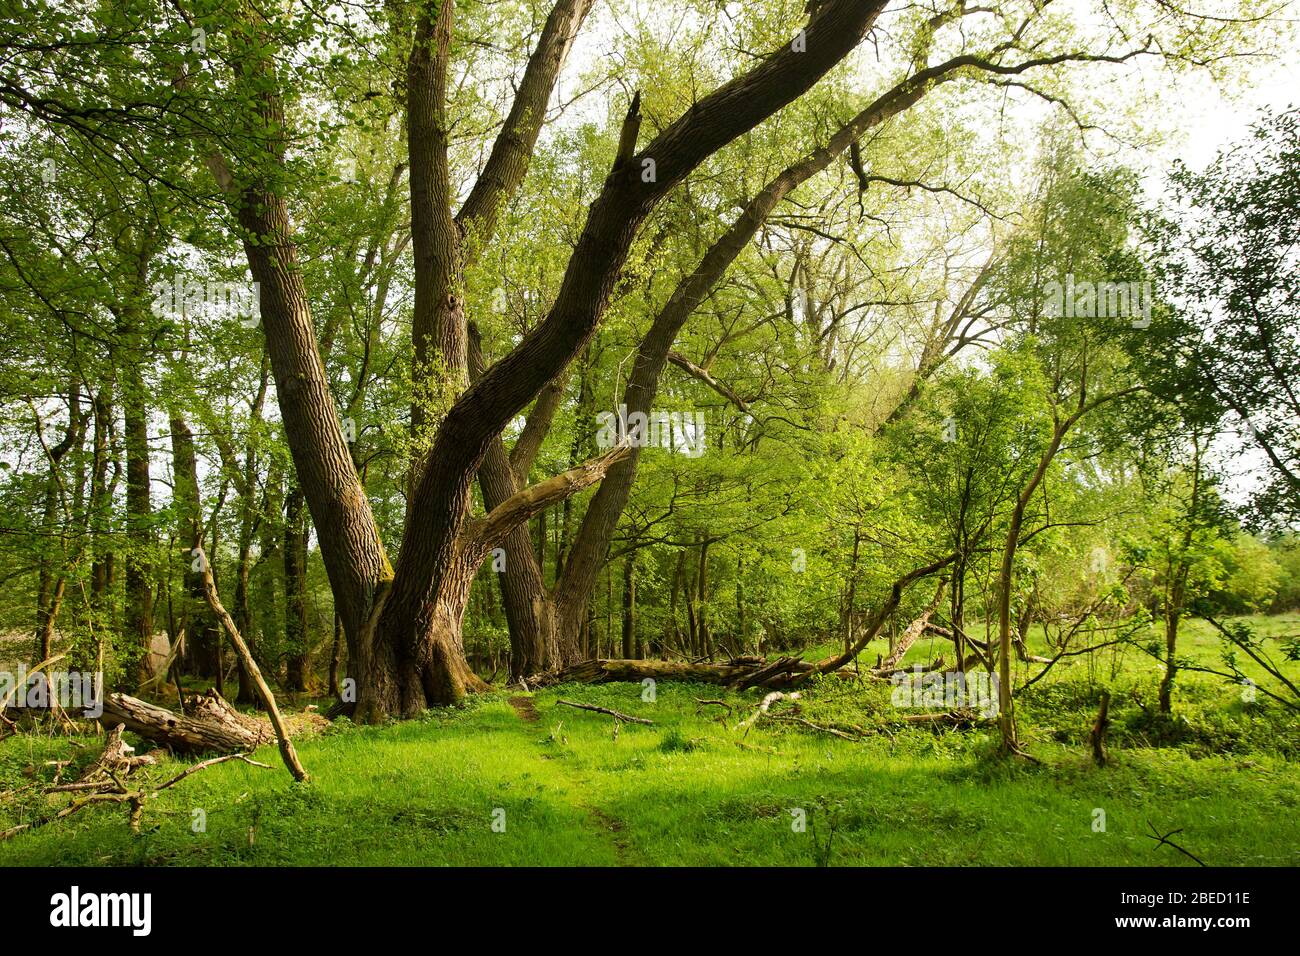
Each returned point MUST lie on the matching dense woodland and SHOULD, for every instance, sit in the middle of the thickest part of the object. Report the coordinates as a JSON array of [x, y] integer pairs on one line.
[[387, 355]]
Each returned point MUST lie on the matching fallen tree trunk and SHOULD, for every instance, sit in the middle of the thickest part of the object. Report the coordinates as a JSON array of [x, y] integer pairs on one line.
[[955, 718], [735, 675], [287, 753], [215, 726], [914, 631], [742, 673]]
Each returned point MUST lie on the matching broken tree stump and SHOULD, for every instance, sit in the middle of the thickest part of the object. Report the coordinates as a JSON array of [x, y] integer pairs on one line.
[[1097, 736]]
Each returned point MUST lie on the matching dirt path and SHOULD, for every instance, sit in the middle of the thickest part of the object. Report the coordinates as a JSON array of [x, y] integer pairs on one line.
[[526, 709], [611, 828], [614, 827]]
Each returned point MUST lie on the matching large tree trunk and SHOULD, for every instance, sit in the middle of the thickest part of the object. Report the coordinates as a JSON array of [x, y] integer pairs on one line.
[[407, 634], [295, 591], [202, 632], [137, 629], [52, 576], [355, 561], [415, 656]]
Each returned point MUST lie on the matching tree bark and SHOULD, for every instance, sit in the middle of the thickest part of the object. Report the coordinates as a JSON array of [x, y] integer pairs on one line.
[[629, 605], [137, 629], [202, 632], [295, 591]]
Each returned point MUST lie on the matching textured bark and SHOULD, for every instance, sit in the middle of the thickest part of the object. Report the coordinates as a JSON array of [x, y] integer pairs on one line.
[[530, 610], [52, 580], [438, 321], [354, 557], [295, 591], [202, 632], [137, 630], [335, 655], [613, 220]]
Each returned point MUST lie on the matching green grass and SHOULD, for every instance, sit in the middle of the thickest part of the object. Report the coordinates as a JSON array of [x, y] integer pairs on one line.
[[693, 790]]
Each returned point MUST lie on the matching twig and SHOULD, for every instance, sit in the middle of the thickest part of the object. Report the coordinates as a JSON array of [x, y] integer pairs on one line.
[[605, 710], [1165, 841], [826, 730], [704, 702], [209, 763]]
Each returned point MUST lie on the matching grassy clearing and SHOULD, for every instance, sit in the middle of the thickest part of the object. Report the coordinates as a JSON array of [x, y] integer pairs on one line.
[[693, 790]]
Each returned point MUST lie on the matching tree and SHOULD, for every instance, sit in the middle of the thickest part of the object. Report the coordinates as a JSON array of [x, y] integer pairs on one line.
[[1228, 259]]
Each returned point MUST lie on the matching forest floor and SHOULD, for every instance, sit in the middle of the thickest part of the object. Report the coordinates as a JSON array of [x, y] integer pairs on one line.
[[517, 779]]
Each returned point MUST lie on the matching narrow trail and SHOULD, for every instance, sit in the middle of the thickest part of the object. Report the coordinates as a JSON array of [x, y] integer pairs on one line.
[[577, 792], [526, 709]]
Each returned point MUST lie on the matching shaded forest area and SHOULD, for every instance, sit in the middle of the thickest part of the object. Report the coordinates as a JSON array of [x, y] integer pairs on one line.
[[834, 374]]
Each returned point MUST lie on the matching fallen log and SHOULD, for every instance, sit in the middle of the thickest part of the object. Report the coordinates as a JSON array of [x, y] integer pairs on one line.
[[935, 665], [763, 708], [104, 782], [858, 732], [954, 718], [601, 670], [215, 726], [745, 672], [914, 631]]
